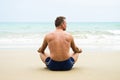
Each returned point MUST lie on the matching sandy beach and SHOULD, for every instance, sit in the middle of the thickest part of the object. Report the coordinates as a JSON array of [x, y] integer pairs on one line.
[[94, 25], [24, 64]]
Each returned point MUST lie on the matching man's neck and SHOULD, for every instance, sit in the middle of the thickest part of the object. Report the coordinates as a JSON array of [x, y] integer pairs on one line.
[[59, 28]]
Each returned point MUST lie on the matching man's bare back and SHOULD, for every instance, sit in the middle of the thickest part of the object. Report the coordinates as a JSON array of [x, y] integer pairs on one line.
[[59, 43]]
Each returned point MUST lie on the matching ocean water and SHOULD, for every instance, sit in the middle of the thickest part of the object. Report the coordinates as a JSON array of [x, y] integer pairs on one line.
[[85, 33]]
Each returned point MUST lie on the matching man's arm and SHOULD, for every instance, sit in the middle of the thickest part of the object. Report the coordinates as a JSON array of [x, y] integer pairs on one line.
[[43, 47], [74, 47]]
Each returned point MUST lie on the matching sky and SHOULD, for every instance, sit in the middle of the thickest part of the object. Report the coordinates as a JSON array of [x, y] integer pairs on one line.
[[48, 10]]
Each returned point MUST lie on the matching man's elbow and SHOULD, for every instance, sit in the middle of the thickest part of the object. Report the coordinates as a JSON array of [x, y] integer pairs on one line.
[[78, 50], [40, 50]]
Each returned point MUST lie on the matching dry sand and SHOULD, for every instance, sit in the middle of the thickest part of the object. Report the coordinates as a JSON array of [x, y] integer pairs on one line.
[[24, 64]]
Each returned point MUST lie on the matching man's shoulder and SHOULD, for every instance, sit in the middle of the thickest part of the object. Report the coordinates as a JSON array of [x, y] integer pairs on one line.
[[68, 34], [50, 34]]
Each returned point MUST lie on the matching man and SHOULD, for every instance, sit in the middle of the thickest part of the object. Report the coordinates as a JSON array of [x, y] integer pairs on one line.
[[59, 43]]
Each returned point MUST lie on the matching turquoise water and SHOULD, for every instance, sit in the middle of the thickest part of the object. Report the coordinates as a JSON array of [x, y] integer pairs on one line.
[[85, 33]]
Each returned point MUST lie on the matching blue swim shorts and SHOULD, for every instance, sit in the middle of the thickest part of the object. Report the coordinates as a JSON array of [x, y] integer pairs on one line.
[[59, 65]]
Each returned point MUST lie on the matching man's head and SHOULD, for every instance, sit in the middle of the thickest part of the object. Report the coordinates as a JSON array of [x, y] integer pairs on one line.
[[60, 22]]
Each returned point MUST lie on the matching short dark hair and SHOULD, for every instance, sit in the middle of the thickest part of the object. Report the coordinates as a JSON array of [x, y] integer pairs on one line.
[[59, 20]]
